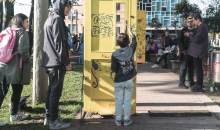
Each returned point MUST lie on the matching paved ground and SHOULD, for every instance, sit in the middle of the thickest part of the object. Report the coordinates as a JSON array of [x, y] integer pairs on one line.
[[157, 90]]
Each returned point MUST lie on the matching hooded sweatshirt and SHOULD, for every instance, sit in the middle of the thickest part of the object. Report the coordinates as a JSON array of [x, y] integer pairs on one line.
[[55, 51], [123, 62]]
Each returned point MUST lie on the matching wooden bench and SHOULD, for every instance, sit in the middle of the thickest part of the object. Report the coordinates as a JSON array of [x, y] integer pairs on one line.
[[153, 57], [175, 64]]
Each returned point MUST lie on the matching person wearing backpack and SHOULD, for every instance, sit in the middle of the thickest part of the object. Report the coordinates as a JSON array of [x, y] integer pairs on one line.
[[16, 71]]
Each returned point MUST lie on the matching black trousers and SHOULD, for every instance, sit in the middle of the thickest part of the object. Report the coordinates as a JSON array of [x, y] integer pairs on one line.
[[199, 71], [56, 79], [15, 98], [164, 58], [187, 63], [147, 54]]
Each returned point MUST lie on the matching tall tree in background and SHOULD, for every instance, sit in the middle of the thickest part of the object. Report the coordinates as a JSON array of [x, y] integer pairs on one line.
[[155, 23], [1, 15], [186, 9], [9, 12]]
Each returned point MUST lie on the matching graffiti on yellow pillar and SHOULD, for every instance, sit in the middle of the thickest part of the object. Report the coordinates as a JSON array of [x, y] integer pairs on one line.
[[141, 29]]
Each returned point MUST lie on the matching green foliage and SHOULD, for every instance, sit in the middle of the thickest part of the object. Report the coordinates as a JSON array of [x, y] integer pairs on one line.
[[186, 9], [155, 23]]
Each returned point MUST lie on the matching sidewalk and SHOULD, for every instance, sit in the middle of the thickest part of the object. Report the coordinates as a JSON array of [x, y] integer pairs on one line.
[[157, 90]]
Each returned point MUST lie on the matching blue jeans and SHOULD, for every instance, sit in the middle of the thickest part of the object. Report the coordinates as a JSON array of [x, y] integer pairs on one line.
[[123, 92], [74, 47], [81, 48]]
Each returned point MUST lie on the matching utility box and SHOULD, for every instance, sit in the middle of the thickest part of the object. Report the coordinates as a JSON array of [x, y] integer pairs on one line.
[[104, 19], [141, 31]]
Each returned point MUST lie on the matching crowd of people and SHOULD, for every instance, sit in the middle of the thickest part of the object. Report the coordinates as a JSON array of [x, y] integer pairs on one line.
[[191, 46]]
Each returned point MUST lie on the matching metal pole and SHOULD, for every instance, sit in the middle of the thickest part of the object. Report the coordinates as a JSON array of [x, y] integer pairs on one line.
[[76, 22], [71, 26]]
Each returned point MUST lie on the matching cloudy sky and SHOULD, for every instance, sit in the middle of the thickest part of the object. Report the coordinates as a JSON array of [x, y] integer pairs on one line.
[[26, 9]]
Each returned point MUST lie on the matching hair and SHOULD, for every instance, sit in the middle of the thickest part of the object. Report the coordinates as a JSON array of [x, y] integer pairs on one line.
[[197, 16], [18, 20], [123, 40], [147, 36], [166, 31], [189, 18], [69, 3]]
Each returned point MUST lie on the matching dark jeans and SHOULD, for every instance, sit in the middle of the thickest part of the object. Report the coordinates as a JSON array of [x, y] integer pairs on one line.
[[164, 58], [187, 63], [147, 54], [56, 79], [199, 71], [15, 98]]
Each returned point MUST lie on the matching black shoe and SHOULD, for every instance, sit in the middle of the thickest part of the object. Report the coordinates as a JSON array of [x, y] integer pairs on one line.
[[191, 84], [164, 67], [196, 88], [183, 86], [157, 62]]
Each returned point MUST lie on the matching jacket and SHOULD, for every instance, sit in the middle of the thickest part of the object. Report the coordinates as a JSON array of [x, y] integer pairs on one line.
[[122, 62], [199, 45], [11, 70], [168, 41], [183, 42], [55, 50]]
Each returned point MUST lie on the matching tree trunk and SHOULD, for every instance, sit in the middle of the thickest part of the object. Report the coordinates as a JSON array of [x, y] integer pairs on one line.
[[1, 15], [9, 12]]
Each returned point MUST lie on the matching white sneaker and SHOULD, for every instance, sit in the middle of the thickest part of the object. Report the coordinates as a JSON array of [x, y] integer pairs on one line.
[[47, 120], [57, 124], [18, 117], [155, 66], [2, 123], [147, 62]]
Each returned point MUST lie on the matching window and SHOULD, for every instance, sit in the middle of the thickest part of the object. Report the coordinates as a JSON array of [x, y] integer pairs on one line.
[[144, 1], [117, 18], [74, 27], [74, 14], [117, 30], [140, 6], [144, 6], [148, 8], [164, 9], [118, 6]]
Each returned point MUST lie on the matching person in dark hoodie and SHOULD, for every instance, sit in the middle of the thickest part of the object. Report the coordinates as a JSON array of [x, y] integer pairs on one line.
[[123, 65], [186, 60], [56, 60]]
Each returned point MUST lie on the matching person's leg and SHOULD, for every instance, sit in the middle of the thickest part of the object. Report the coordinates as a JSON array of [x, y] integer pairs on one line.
[[15, 99], [56, 75], [199, 71], [147, 56], [190, 69], [183, 69], [74, 47], [47, 102], [129, 88], [119, 100], [3, 90], [165, 59]]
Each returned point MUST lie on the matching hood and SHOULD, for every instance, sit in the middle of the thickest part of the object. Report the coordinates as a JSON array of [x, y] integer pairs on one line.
[[59, 6], [123, 54]]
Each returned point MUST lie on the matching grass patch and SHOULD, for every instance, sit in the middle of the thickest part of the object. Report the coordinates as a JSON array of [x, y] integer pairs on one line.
[[70, 103]]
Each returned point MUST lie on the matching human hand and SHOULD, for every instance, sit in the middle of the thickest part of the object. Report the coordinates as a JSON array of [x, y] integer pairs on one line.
[[69, 67], [184, 52], [130, 30], [186, 34]]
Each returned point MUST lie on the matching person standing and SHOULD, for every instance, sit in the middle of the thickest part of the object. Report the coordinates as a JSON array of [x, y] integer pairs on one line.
[[81, 40], [186, 60], [56, 61], [152, 49], [13, 72], [198, 49], [122, 63]]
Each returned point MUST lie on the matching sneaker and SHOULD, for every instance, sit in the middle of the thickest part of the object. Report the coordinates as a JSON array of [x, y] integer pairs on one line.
[[192, 84], [57, 124], [126, 123], [157, 62], [183, 86], [118, 123], [196, 88], [155, 66], [147, 62], [2, 123], [18, 117]]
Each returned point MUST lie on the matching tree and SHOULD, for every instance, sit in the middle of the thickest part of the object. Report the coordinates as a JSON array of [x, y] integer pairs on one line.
[[155, 23], [1, 15], [186, 9], [212, 17], [9, 12]]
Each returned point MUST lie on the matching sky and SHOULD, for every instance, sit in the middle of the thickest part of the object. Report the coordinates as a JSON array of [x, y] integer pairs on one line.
[[26, 9]]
